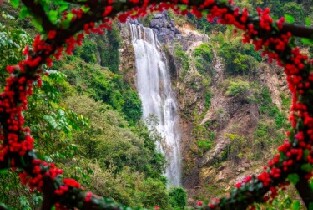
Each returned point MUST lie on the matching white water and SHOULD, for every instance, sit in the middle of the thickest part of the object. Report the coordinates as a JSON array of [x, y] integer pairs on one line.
[[154, 87]]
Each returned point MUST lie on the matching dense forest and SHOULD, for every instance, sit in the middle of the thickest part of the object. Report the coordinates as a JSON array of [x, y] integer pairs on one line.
[[87, 115]]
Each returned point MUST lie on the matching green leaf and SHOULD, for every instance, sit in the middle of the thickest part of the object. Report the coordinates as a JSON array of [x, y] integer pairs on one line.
[[293, 178], [307, 21], [306, 153], [289, 18], [53, 16], [37, 24], [306, 167], [51, 121], [307, 41], [3, 205], [295, 205], [15, 3], [23, 13], [61, 112], [65, 23], [4, 171], [204, 13], [62, 8], [85, 9], [182, 7], [311, 184], [282, 156]]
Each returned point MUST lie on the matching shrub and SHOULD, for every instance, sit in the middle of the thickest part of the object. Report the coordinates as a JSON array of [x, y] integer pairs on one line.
[[203, 59], [178, 198], [182, 59], [239, 59], [204, 144], [88, 51], [237, 87], [207, 99], [267, 107], [104, 85]]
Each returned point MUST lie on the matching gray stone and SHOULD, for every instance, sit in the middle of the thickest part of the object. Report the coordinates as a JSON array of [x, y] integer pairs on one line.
[[164, 27], [158, 16], [155, 23], [133, 21]]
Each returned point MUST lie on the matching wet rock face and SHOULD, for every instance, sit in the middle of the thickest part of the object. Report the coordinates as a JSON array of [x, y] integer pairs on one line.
[[127, 57], [164, 27]]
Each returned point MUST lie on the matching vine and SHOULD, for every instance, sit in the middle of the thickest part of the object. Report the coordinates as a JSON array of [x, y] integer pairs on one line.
[[294, 162]]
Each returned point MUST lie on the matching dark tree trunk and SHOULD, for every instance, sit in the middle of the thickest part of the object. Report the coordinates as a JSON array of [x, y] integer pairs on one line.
[[305, 191]]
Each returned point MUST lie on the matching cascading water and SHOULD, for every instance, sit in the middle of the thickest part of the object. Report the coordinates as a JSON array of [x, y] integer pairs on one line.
[[154, 87]]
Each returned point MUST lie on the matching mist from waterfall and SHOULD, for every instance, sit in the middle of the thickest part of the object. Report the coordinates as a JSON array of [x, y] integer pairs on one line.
[[158, 100]]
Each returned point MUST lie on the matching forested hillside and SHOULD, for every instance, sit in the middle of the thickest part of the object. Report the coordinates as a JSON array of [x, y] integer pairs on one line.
[[88, 120], [87, 116]]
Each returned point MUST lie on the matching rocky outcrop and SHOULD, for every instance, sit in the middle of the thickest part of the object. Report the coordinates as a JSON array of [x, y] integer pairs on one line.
[[273, 77], [164, 27], [127, 56]]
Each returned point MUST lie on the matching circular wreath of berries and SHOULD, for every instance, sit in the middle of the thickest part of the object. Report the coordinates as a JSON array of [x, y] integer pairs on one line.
[[274, 38]]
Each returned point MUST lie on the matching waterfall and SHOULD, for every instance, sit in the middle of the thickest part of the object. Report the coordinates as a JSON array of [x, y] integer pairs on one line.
[[158, 100]]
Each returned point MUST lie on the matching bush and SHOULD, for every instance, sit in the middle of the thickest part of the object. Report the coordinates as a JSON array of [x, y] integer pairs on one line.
[[178, 198], [104, 85], [239, 59], [182, 59], [204, 144], [237, 147], [237, 87], [203, 59], [88, 51], [294, 9], [207, 99], [267, 107]]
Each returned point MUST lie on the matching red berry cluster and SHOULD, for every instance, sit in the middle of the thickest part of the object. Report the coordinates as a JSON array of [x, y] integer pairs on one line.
[[272, 38]]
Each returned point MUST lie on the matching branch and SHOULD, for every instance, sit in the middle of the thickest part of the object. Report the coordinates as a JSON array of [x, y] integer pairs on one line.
[[305, 191], [39, 13]]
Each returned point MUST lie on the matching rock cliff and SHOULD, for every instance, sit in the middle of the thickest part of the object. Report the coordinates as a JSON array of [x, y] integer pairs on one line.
[[221, 127]]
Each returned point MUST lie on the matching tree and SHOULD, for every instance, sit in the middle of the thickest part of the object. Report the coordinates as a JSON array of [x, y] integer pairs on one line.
[[61, 23]]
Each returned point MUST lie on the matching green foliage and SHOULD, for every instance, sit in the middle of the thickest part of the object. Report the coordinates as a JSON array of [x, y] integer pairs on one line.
[[109, 50], [182, 58], [205, 26], [294, 12], [109, 132], [54, 11], [286, 101], [88, 51], [102, 49], [239, 59], [207, 99], [90, 140], [178, 198], [282, 201], [266, 135], [103, 85], [237, 87], [293, 178], [237, 147], [12, 42], [203, 56], [14, 195], [267, 107], [204, 144]]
